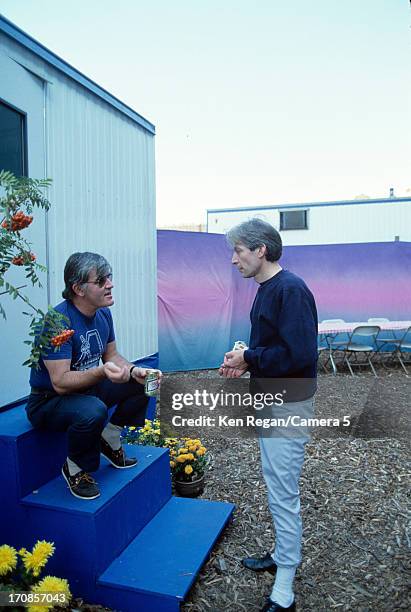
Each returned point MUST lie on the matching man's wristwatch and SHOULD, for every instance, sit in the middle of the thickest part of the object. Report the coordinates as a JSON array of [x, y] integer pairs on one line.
[[131, 369]]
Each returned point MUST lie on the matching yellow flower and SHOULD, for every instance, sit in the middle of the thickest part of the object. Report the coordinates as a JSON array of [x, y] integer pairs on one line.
[[201, 451], [182, 451], [188, 469], [131, 428], [172, 464], [8, 559], [37, 559], [190, 457], [22, 552], [171, 441], [51, 584], [181, 458], [157, 432]]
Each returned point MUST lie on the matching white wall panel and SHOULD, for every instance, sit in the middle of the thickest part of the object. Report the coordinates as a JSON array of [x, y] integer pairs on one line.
[[103, 199], [331, 224], [24, 91], [102, 165]]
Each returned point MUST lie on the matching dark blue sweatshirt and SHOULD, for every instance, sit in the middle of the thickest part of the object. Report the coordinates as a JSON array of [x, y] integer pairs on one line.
[[284, 327]]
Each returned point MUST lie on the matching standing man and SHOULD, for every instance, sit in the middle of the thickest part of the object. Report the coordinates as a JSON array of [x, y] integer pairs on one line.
[[71, 391], [283, 345]]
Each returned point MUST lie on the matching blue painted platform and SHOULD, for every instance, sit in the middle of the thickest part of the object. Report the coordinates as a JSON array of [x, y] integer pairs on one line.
[[164, 559], [134, 548]]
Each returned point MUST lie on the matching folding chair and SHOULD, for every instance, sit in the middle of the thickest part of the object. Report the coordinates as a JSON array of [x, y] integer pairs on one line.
[[383, 343], [328, 339], [362, 341], [403, 346], [389, 335], [320, 348]]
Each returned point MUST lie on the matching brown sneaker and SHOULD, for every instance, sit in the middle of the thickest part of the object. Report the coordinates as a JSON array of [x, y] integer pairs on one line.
[[118, 457], [81, 485]]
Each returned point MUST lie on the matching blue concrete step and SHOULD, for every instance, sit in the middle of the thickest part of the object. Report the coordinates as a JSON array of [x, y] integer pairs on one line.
[[30, 457], [156, 571], [135, 548], [88, 535]]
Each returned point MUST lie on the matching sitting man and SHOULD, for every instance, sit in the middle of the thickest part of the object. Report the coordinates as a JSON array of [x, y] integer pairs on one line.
[[71, 391]]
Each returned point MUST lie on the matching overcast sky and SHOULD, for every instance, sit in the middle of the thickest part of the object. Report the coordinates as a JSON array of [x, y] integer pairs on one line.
[[254, 101]]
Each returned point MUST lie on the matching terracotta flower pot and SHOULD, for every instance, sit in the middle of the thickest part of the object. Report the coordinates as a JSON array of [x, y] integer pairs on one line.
[[190, 489]]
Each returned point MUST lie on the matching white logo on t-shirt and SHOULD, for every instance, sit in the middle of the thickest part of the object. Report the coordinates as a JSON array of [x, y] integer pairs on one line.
[[91, 351]]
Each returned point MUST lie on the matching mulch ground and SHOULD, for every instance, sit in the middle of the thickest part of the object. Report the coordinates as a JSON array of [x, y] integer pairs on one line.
[[355, 506]]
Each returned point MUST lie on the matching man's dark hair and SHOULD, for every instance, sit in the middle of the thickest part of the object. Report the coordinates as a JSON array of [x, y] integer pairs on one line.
[[255, 233], [78, 268]]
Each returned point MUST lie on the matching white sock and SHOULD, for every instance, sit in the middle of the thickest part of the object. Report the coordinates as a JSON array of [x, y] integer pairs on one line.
[[73, 468], [282, 592], [111, 434]]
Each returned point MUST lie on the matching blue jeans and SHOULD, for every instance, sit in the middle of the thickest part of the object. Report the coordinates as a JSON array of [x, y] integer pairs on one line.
[[83, 416]]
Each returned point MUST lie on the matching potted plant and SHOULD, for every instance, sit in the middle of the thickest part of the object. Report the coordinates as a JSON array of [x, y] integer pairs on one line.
[[188, 462], [188, 456], [149, 435]]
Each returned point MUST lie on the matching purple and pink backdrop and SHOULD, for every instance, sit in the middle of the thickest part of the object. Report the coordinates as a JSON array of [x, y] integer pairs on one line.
[[204, 303]]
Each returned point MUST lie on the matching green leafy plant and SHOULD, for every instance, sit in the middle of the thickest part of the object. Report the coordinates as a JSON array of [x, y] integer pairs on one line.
[[188, 456], [149, 435], [21, 195], [20, 572]]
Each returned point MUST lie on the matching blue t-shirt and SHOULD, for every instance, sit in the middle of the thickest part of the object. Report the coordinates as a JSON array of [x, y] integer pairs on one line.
[[85, 348]]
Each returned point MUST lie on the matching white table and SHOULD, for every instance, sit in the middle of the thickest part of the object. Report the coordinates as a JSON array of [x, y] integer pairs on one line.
[[330, 330], [347, 328]]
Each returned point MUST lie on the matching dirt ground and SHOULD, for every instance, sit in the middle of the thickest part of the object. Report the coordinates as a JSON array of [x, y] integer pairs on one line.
[[355, 506]]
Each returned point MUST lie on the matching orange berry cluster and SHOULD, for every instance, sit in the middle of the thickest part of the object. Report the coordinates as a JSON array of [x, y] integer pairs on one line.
[[18, 222], [62, 337], [21, 260]]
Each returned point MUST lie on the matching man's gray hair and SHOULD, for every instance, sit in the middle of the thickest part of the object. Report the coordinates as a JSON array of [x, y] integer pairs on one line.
[[78, 268], [255, 233]]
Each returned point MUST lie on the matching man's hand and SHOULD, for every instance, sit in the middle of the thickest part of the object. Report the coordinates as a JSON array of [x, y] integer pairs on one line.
[[228, 372], [115, 373], [235, 359], [139, 374], [234, 364]]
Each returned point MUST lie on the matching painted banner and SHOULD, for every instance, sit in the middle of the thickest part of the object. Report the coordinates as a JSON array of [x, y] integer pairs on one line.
[[204, 303]]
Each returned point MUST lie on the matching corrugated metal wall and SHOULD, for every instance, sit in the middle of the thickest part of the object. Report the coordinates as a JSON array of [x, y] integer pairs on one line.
[[103, 196], [24, 91], [331, 224]]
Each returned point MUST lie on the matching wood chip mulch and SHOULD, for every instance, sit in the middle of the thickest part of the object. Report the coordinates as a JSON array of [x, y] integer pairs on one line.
[[355, 489]]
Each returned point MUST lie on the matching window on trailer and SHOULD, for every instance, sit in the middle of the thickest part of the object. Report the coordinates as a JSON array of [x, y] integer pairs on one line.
[[293, 219], [12, 140]]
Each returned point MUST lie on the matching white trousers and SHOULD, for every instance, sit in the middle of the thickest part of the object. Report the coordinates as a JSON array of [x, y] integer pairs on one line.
[[282, 458]]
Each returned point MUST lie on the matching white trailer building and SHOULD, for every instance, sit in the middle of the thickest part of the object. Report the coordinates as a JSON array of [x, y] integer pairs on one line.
[[57, 123], [346, 221]]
